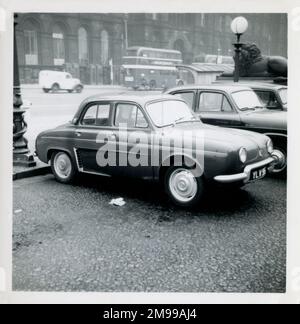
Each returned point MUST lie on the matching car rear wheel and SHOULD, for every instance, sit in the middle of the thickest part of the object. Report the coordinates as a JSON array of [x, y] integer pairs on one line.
[[152, 84], [45, 90], [63, 167], [79, 89], [183, 188]]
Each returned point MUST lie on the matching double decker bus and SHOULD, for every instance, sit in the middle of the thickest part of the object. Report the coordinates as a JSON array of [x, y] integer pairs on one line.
[[150, 68]]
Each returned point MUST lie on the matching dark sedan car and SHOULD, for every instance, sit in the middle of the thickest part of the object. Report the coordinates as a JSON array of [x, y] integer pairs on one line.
[[238, 106], [157, 138]]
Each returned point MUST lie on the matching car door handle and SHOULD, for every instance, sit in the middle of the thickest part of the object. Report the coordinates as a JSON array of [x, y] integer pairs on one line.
[[78, 134]]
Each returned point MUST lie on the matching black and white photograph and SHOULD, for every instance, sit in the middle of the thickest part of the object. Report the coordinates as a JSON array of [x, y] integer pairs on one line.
[[150, 151]]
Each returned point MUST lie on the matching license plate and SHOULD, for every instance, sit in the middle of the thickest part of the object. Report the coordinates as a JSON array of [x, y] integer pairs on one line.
[[258, 174]]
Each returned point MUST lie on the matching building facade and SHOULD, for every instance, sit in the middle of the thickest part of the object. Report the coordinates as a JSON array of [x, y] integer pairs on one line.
[[91, 46]]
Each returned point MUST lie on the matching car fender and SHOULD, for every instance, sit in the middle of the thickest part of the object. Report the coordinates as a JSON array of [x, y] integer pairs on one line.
[[190, 160]]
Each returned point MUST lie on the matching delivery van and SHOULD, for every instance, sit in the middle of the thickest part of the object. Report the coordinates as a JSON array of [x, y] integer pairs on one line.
[[55, 81]]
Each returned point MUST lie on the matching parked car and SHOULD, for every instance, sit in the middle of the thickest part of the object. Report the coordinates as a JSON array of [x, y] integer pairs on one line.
[[272, 96], [238, 106], [56, 81], [151, 128]]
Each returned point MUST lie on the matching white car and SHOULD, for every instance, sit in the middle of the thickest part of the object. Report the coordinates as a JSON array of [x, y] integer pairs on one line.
[[55, 81]]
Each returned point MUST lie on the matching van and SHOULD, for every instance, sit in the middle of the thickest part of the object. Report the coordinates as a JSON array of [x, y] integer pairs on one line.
[[55, 81]]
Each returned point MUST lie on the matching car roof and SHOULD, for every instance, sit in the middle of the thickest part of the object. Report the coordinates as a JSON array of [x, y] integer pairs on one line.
[[223, 87], [126, 96], [265, 85], [123, 96]]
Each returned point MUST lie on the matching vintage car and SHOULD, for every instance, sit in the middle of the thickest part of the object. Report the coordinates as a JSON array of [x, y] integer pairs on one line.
[[238, 106], [55, 81], [157, 138]]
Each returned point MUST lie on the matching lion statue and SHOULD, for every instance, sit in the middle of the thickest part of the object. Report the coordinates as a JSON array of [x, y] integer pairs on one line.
[[253, 63]]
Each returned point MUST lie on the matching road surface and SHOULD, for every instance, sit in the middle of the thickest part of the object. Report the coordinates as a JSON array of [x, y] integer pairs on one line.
[[69, 238]]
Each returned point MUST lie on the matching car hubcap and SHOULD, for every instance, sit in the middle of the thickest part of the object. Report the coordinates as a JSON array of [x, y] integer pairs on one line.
[[183, 185], [62, 165], [281, 162]]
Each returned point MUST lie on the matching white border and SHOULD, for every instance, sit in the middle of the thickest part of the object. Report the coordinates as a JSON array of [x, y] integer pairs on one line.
[[6, 95]]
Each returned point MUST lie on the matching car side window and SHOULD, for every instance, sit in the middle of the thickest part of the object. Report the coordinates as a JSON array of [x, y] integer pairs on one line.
[[268, 98], [226, 106], [213, 102], [188, 97], [97, 115], [129, 116]]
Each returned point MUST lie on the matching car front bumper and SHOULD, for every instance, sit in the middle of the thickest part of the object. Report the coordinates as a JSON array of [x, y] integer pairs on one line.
[[246, 175]]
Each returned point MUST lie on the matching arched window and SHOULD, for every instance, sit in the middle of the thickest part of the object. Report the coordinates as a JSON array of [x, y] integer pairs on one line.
[[31, 43], [58, 45], [83, 47], [104, 47]]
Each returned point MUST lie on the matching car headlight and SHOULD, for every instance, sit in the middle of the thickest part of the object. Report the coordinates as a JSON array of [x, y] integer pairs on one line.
[[270, 146], [243, 155]]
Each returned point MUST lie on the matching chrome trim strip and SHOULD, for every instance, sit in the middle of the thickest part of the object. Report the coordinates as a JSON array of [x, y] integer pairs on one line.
[[77, 162], [96, 173], [245, 176], [89, 172], [276, 134]]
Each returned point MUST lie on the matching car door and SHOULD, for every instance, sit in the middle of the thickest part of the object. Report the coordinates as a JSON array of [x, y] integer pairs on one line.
[[133, 136], [93, 132], [215, 108]]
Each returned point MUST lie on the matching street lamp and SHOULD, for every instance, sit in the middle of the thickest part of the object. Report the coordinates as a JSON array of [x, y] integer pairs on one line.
[[21, 153], [239, 26], [126, 16]]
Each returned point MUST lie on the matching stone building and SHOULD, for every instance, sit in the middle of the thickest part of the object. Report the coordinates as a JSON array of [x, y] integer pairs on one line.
[[87, 45]]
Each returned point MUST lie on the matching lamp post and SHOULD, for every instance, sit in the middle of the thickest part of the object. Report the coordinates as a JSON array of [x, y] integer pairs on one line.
[[239, 26], [21, 153], [126, 16], [219, 56]]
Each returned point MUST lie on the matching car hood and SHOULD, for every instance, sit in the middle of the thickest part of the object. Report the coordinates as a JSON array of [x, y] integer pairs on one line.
[[235, 138], [265, 118]]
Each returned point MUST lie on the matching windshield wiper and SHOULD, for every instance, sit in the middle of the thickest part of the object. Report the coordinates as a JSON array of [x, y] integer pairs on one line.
[[183, 120], [251, 108], [178, 120], [247, 108]]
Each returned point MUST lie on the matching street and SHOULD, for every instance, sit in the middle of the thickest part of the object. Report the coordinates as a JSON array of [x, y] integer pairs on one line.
[[69, 238]]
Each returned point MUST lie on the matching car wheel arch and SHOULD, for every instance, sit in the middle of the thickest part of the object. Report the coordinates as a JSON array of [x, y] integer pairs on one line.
[[170, 162], [276, 137], [51, 150]]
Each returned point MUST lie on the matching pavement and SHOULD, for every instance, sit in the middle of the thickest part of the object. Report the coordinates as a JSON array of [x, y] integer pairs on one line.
[[69, 238]]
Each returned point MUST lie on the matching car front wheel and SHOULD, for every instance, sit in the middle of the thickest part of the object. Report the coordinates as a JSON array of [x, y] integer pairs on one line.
[[63, 167], [183, 188], [79, 89]]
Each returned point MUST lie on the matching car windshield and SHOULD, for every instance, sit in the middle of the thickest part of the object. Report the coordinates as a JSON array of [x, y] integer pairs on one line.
[[283, 95], [169, 112], [247, 100]]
